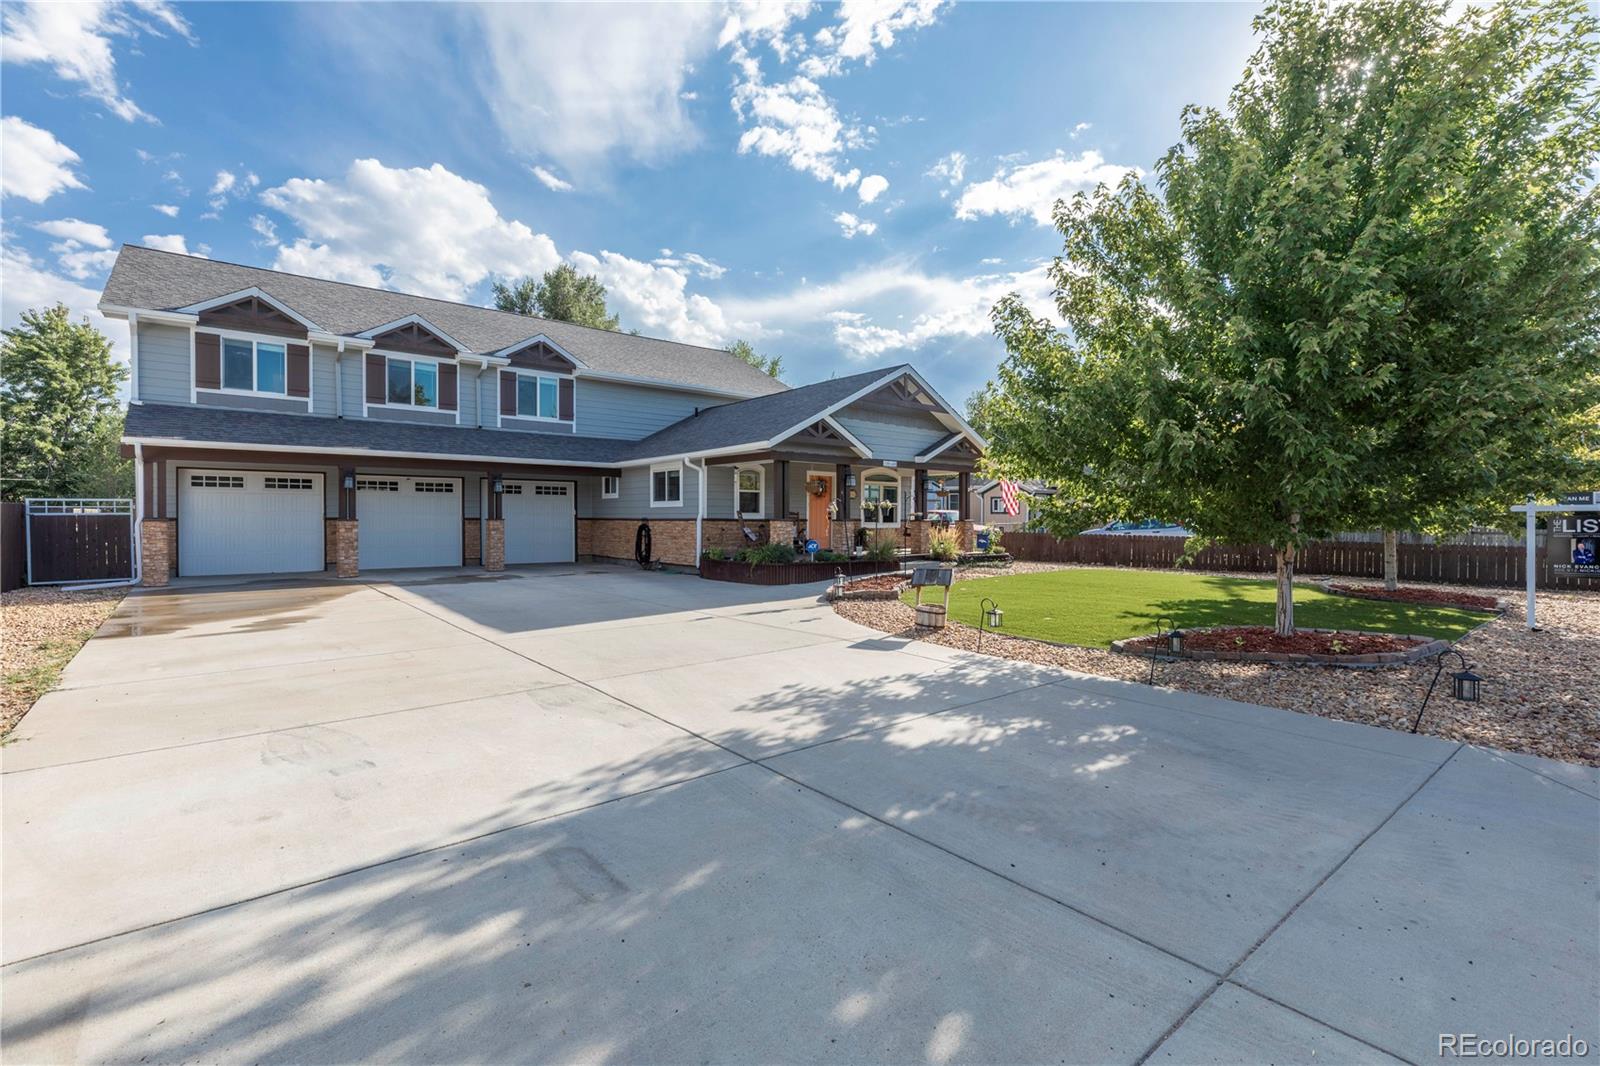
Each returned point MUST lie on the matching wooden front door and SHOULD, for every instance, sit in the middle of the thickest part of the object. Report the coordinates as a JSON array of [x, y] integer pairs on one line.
[[817, 509]]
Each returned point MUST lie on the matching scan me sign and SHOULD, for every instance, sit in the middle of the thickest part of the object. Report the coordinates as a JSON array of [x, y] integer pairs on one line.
[[1574, 539]]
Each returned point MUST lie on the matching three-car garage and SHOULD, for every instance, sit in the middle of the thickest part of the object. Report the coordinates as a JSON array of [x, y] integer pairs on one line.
[[250, 521]]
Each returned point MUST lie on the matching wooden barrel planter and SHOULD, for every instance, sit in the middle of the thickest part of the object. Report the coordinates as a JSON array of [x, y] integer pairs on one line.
[[789, 573]]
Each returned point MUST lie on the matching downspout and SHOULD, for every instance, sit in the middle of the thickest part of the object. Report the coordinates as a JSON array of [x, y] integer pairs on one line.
[[138, 513], [700, 509], [133, 357]]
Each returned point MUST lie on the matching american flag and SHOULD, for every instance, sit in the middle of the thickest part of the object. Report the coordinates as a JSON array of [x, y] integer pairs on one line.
[[1008, 494]]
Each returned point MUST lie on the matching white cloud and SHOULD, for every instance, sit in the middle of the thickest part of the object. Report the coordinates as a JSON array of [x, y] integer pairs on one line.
[[763, 20], [872, 187], [1032, 189], [850, 225], [266, 229], [77, 231], [1079, 129], [550, 181], [225, 181], [949, 169], [656, 299], [895, 306], [83, 262], [34, 165], [170, 242], [75, 40], [426, 231], [582, 82], [796, 121], [170, 210], [865, 26], [30, 286], [702, 266]]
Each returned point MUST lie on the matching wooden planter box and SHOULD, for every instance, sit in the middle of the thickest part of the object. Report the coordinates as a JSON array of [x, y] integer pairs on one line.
[[789, 573]]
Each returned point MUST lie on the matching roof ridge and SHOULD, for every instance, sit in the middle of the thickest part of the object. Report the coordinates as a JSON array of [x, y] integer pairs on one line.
[[416, 296]]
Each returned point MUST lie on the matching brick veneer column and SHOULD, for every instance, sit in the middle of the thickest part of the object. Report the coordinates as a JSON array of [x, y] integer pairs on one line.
[[346, 547], [157, 551], [965, 535], [494, 543], [471, 542]]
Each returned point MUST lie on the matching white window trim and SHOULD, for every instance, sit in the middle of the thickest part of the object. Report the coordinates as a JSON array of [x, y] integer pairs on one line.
[[437, 361], [761, 491], [676, 466], [538, 375], [253, 339], [616, 491], [997, 505]]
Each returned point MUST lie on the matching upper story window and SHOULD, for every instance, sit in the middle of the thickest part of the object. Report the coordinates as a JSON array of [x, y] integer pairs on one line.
[[666, 485], [414, 382], [538, 396], [254, 366]]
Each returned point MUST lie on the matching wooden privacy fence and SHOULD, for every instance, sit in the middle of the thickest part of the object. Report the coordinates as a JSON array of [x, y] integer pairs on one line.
[[1460, 564], [71, 540], [13, 547]]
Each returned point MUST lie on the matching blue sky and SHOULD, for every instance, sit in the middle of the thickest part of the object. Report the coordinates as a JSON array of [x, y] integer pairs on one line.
[[844, 185]]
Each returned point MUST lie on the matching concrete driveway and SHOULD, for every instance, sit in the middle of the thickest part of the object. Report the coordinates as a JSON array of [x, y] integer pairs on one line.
[[592, 814]]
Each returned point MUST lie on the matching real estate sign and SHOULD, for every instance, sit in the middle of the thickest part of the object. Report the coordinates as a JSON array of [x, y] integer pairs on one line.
[[1574, 539]]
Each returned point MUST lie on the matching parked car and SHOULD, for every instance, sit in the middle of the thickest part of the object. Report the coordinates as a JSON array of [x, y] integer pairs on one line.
[[1148, 527]]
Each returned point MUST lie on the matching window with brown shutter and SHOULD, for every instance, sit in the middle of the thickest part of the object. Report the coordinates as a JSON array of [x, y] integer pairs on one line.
[[447, 387], [508, 392], [299, 370], [377, 368], [207, 361]]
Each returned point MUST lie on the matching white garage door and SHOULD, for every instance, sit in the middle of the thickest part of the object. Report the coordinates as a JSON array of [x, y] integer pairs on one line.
[[539, 522], [249, 522], [408, 521]]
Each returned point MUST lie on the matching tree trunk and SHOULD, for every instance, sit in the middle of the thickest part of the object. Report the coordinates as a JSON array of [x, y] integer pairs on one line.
[[1284, 623], [1391, 559]]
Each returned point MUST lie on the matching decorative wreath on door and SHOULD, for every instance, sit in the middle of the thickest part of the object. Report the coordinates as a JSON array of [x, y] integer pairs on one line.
[[817, 486]]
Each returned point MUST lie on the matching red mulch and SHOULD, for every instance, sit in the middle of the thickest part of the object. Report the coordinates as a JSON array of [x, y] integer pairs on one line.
[[1263, 638], [883, 582], [1412, 594]]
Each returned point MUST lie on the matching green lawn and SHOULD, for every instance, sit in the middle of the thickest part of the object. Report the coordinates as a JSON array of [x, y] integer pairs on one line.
[[1095, 607]]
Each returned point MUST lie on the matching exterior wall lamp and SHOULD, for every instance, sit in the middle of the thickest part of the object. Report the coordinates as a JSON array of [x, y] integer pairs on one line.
[[498, 486], [349, 481]]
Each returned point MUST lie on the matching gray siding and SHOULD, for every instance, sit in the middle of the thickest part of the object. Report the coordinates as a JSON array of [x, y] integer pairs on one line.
[[632, 412], [634, 498], [488, 398], [351, 371], [528, 425], [163, 363], [290, 405], [467, 395], [402, 413], [891, 436], [322, 381]]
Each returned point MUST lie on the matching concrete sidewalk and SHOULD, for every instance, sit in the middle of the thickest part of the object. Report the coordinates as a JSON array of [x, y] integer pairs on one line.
[[593, 814]]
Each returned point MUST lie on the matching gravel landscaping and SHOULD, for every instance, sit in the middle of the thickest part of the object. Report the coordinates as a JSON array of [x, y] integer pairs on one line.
[[1541, 693], [41, 629]]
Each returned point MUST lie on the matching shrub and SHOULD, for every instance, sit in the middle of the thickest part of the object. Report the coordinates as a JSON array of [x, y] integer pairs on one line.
[[943, 546], [827, 555], [994, 541], [767, 554], [881, 550], [715, 553]]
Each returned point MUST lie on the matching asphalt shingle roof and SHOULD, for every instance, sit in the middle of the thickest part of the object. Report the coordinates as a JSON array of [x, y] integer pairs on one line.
[[182, 423], [757, 419], [165, 281]]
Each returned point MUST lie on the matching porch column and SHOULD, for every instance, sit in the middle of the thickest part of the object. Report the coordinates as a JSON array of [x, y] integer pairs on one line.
[[841, 532], [921, 505], [779, 490], [964, 482], [344, 533], [494, 526]]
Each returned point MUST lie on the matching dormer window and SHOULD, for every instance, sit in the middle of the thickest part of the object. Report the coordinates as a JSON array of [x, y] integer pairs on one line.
[[254, 366], [538, 396]]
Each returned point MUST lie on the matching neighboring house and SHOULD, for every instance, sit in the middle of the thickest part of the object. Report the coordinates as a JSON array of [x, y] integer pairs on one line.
[[989, 504], [283, 424]]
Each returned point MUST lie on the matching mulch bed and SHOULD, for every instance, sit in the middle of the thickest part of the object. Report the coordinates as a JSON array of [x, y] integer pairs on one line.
[[41, 629], [1263, 638], [881, 583], [1413, 594]]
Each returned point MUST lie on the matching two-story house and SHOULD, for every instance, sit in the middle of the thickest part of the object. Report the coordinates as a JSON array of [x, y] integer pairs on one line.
[[989, 504], [286, 424]]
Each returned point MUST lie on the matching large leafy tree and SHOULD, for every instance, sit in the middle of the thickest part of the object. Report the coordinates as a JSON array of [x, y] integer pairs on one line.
[[562, 294], [771, 365], [1367, 292], [60, 417]]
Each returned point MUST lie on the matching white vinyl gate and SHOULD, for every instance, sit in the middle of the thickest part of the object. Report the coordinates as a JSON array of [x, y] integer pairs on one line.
[[249, 522], [540, 523], [408, 521]]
